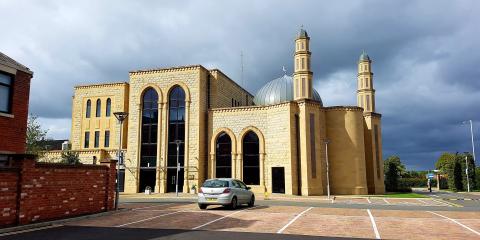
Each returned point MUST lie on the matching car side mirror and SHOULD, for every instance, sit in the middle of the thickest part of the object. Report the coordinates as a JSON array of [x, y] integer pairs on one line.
[[248, 188]]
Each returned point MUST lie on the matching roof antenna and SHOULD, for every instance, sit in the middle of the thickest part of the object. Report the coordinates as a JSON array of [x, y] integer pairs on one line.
[[241, 62]]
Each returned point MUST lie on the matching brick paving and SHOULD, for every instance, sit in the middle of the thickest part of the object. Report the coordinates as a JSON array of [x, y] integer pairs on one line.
[[331, 222]]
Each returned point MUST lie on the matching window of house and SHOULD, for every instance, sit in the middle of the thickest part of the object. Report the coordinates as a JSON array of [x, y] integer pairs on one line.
[[98, 110], [86, 144], [6, 92], [108, 109], [303, 86], [251, 159], [106, 142], [303, 63], [88, 109], [223, 156], [368, 102], [96, 143]]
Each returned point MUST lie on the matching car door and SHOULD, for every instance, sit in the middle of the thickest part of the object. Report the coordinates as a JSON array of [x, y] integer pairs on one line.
[[246, 193], [239, 191]]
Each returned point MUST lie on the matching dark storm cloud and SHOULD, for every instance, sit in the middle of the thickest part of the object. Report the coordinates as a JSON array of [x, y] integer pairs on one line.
[[425, 55]]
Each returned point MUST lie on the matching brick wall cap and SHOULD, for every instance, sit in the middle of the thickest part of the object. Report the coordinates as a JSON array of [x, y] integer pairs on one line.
[[98, 85], [168, 69]]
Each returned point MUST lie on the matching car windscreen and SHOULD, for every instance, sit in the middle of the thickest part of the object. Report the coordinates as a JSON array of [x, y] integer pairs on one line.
[[215, 183]]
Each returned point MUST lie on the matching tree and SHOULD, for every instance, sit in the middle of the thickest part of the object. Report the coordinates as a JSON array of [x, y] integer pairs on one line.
[[70, 157], [35, 134], [445, 161], [393, 168]]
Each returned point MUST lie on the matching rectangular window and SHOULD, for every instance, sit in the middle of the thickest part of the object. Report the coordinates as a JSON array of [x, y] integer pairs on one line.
[[303, 46], [366, 82], [106, 143], [86, 144], [6, 82], [303, 86], [368, 103], [303, 63], [377, 151], [313, 157], [296, 64], [96, 143], [232, 102]]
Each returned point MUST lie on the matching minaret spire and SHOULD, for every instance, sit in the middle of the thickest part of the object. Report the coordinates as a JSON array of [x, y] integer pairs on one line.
[[302, 76], [365, 90]]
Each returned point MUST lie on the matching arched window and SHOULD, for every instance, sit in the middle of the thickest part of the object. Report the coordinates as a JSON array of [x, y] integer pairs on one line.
[[223, 156], [108, 110], [176, 132], [98, 110], [148, 151], [251, 159], [88, 109]]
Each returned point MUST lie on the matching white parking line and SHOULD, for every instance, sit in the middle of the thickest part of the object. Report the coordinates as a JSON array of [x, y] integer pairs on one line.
[[146, 219], [30, 230], [218, 219], [166, 204], [420, 200], [385, 200], [374, 225], [455, 221], [293, 220], [441, 203], [368, 200]]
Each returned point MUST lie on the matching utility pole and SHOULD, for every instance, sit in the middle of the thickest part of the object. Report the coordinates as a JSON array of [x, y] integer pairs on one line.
[[326, 160], [121, 116], [466, 171]]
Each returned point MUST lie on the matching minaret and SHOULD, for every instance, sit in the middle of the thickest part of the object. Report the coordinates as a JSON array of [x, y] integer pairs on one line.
[[365, 92], [302, 76]]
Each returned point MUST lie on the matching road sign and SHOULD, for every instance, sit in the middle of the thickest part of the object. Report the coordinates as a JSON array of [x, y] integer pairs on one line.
[[430, 176]]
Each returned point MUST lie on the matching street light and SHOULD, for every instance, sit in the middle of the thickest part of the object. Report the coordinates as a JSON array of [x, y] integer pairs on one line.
[[471, 133], [466, 171], [121, 116], [326, 160], [178, 142]]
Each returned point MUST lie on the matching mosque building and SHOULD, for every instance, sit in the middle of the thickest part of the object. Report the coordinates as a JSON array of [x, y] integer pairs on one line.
[[278, 141]]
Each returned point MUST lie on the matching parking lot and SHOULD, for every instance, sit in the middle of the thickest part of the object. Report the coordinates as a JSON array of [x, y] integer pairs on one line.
[[276, 221]]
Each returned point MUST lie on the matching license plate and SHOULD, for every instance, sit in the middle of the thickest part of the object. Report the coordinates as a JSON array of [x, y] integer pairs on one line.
[[211, 199]]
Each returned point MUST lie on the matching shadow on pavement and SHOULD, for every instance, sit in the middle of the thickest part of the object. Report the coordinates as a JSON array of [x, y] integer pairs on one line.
[[93, 233]]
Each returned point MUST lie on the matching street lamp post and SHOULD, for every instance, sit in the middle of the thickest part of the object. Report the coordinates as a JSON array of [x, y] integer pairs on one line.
[[178, 142], [121, 116], [471, 134], [466, 171], [326, 160]]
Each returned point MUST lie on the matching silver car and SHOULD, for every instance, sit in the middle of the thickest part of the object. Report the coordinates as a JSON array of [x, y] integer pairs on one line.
[[228, 192]]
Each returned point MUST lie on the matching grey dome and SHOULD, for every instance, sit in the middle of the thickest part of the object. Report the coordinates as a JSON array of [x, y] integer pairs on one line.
[[364, 56], [279, 90]]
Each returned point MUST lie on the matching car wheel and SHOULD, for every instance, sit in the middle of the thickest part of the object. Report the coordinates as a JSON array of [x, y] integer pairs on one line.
[[202, 206], [234, 203], [252, 201]]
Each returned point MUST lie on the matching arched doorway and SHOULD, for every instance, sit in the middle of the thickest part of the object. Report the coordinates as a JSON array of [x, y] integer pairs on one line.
[[251, 159], [223, 156], [148, 151], [176, 133]]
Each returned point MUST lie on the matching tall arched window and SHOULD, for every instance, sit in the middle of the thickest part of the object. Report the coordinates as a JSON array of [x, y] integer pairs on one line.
[[88, 109], [148, 152], [251, 159], [108, 109], [223, 156], [98, 110], [176, 132]]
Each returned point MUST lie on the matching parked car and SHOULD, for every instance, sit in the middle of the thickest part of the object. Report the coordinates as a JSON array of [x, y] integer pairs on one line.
[[228, 192]]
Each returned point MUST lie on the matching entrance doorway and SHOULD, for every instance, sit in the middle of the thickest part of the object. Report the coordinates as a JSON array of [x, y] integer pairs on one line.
[[121, 180], [278, 179], [171, 175], [147, 178]]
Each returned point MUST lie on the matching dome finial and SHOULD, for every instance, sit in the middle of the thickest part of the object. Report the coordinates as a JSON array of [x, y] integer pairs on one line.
[[302, 33], [284, 70], [364, 56]]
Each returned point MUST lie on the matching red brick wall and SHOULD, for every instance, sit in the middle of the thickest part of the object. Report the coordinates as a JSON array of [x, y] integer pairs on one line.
[[53, 191], [8, 195], [13, 130]]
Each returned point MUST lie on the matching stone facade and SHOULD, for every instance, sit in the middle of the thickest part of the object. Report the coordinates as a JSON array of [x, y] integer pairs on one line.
[[296, 139]]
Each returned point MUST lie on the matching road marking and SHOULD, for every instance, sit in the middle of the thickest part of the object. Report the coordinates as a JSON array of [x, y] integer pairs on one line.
[[293, 220], [420, 200], [455, 221], [385, 200], [374, 225], [444, 203], [368, 200], [166, 204], [147, 219], [29, 230], [218, 219]]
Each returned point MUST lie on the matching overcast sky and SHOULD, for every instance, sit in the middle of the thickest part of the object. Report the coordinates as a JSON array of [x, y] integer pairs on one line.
[[425, 55]]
